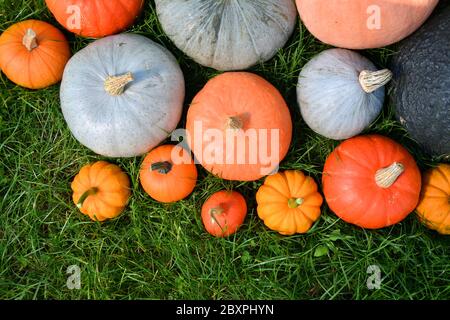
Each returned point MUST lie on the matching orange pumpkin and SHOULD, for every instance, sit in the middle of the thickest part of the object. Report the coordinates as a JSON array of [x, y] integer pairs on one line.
[[97, 18], [33, 54], [363, 24], [371, 181], [168, 174], [239, 126], [434, 204], [101, 190], [288, 202], [223, 213]]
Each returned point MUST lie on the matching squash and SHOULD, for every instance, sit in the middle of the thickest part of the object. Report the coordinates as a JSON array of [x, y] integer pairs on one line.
[[33, 54], [421, 84], [239, 127], [122, 95], [97, 18], [228, 35], [289, 202], [224, 213], [363, 24], [168, 174], [101, 190], [371, 181], [340, 93], [434, 204]]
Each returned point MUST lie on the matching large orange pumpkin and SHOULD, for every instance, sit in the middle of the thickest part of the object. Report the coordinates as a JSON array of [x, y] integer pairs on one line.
[[434, 205], [33, 54], [363, 24], [371, 181], [289, 202], [239, 126], [101, 190], [168, 174], [97, 18]]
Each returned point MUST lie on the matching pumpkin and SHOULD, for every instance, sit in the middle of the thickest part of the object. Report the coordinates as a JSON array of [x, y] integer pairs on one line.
[[168, 174], [101, 190], [363, 24], [122, 95], [239, 126], [97, 18], [223, 213], [421, 84], [33, 54], [228, 35], [340, 93], [371, 181], [289, 202], [434, 204]]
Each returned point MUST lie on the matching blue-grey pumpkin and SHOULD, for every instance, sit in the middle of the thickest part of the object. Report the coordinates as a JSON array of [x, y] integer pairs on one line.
[[122, 95], [228, 34], [340, 93]]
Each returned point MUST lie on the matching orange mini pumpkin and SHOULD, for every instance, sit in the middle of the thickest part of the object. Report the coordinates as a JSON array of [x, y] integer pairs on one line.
[[101, 190], [239, 126], [168, 174], [434, 204], [289, 202], [33, 54]]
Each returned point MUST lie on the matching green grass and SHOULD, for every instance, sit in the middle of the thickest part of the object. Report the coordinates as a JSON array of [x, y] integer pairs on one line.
[[157, 251]]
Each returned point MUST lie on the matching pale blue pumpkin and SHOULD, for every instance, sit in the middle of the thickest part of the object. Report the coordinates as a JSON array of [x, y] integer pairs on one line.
[[228, 34], [340, 93], [122, 95]]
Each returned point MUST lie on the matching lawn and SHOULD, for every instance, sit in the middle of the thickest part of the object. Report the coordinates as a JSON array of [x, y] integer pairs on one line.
[[158, 251]]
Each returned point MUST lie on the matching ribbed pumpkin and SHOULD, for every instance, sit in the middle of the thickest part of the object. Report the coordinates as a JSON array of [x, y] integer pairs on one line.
[[289, 202], [101, 190], [434, 205], [239, 126], [228, 35], [168, 173], [371, 181], [122, 95], [340, 93], [363, 24], [97, 18], [33, 54]]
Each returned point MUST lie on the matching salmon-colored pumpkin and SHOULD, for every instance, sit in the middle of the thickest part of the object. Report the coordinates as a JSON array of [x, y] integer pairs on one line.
[[371, 181], [434, 205], [289, 202], [223, 213], [101, 190], [363, 24], [33, 54], [97, 18], [239, 126], [168, 174]]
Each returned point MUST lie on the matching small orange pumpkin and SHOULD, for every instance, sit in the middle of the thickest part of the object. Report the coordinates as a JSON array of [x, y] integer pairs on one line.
[[101, 190], [434, 204], [289, 202], [168, 174], [33, 54]]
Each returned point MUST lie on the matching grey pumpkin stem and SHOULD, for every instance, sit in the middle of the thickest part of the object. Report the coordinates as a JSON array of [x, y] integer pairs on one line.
[[373, 80], [115, 85], [29, 40], [234, 123], [386, 177]]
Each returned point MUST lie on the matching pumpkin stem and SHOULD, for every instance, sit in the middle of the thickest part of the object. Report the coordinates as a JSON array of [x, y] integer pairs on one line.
[[234, 123], [163, 167], [387, 176], [30, 40], [217, 211], [115, 85], [373, 80], [295, 202], [85, 195]]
